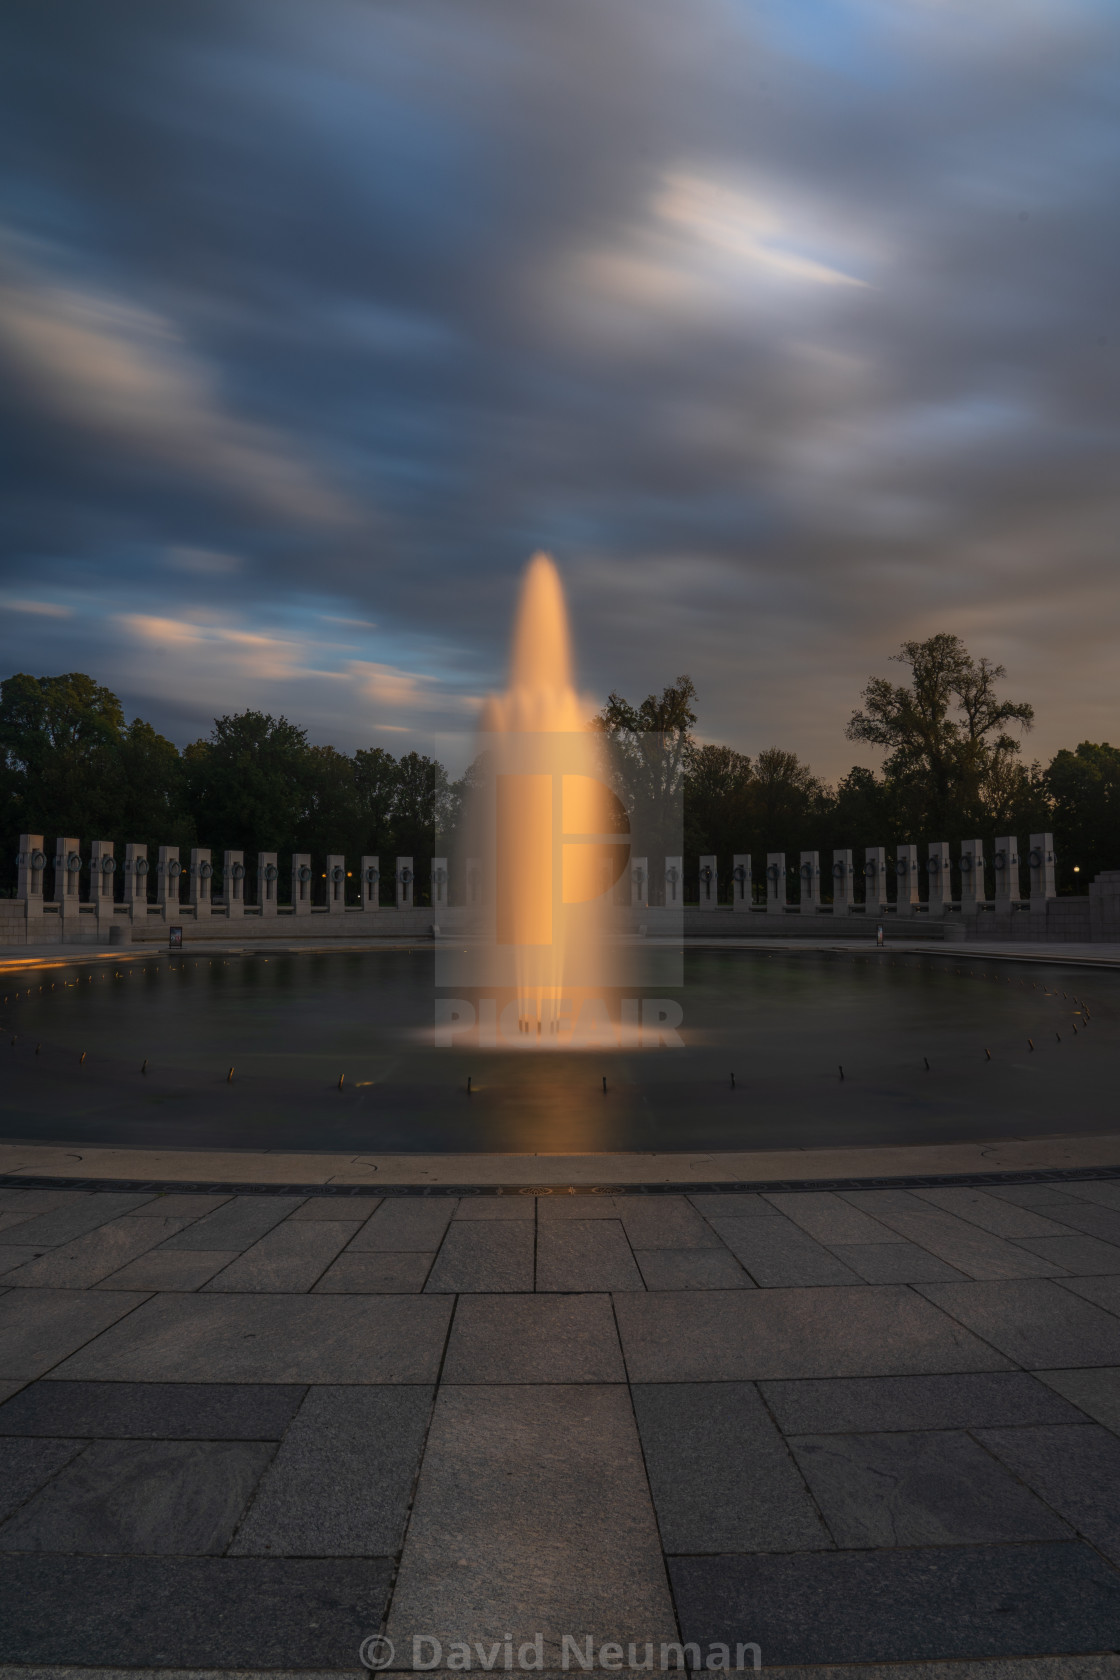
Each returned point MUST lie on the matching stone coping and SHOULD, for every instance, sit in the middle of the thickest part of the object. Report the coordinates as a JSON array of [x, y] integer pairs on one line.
[[1002, 1161]]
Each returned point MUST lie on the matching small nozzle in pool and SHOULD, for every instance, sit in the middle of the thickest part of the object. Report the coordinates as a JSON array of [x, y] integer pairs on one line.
[[38, 1047], [840, 1065], [468, 1085], [341, 1080], [988, 1053], [1030, 1041], [926, 1061], [81, 1058], [229, 1077], [732, 1081], [604, 1082], [144, 1065]]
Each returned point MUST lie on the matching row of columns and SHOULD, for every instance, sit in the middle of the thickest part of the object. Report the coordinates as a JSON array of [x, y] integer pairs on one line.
[[170, 871], [875, 874]]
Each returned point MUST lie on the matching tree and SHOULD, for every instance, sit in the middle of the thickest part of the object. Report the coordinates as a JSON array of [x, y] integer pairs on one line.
[[945, 734], [650, 751], [1084, 786], [249, 784], [717, 795]]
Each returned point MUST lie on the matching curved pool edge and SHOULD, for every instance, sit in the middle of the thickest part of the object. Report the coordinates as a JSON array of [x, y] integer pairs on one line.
[[211, 1170]]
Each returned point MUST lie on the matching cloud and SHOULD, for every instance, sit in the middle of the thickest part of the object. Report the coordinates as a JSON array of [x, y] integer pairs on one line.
[[43, 609]]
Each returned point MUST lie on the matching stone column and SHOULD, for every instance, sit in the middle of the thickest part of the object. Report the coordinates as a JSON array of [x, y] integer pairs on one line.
[[906, 870], [202, 873], [136, 879], [1006, 866], [371, 883], [1042, 866], [168, 872], [874, 880], [102, 867], [31, 861], [438, 892], [674, 884], [843, 890], [810, 873], [301, 883], [639, 884], [709, 883], [940, 878], [233, 873], [776, 883], [406, 883], [67, 875], [268, 876], [336, 884], [742, 889], [973, 891]]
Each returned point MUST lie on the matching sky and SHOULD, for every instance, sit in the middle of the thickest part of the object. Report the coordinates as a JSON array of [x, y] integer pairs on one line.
[[788, 328]]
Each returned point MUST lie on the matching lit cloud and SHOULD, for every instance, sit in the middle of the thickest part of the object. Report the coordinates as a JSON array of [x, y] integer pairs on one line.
[[42, 609]]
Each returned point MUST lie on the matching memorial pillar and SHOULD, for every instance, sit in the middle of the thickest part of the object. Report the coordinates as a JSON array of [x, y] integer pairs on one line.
[[940, 878], [709, 883], [406, 883], [438, 893], [1042, 866], [336, 884], [741, 894], [201, 875], [639, 884], [168, 872], [301, 883], [810, 873], [31, 861], [843, 892], [973, 891], [874, 880], [233, 873], [674, 886], [1006, 866], [776, 883], [67, 876], [102, 866], [136, 880], [268, 876], [906, 871], [371, 883]]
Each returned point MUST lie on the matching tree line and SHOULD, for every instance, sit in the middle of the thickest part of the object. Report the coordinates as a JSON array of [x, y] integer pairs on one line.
[[70, 764]]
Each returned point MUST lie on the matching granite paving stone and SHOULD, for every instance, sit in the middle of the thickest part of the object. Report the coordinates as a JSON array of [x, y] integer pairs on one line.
[[89, 1258], [337, 1207], [532, 1507], [1104, 1191], [830, 1219], [585, 1255], [935, 1488], [1099, 1667], [402, 1223], [586, 1206], [721, 1475], [895, 1262], [496, 1207], [9, 1220], [732, 1204], [1102, 1291], [534, 1339], [288, 1260], [73, 1219], [484, 1256], [976, 1253], [879, 1202], [1094, 1221], [341, 1482], [27, 1466], [154, 1497], [1041, 1196], [1033, 1321], [1075, 1468], [10, 1258], [1094, 1392], [669, 1222], [42, 1326], [1085, 1256], [185, 1204], [740, 1335], [899, 1605], [968, 1400], [691, 1268], [39, 1201], [238, 1223], [227, 1613], [778, 1255], [375, 1273], [176, 1270], [268, 1338], [152, 1410], [1002, 1219]]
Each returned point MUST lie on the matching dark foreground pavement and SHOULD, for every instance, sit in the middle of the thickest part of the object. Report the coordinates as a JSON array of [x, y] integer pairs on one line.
[[873, 1427]]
